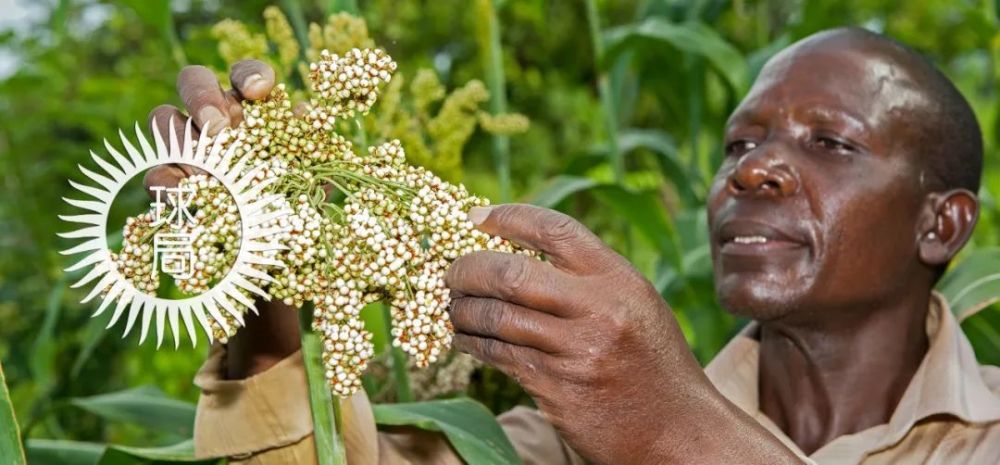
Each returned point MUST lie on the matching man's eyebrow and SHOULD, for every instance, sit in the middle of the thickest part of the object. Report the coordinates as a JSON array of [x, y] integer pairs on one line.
[[820, 114], [741, 117]]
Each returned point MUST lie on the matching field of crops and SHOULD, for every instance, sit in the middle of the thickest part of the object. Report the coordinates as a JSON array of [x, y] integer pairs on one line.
[[611, 111]]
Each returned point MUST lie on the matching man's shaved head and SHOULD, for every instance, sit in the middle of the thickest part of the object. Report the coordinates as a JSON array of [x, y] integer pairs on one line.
[[943, 129], [849, 179]]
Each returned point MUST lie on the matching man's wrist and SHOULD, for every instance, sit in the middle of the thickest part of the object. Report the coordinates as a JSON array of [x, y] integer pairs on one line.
[[270, 335], [714, 431]]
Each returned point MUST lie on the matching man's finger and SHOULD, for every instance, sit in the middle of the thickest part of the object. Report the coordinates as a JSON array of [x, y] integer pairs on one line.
[[253, 79], [163, 175], [507, 322], [515, 278], [203, 97], [520, 363], [568, 244], [234, 108], [161, 117]]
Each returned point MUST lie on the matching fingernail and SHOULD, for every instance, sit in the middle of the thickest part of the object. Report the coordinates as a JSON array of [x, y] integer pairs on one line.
[[478, 214], [252, 80], [214, 118]]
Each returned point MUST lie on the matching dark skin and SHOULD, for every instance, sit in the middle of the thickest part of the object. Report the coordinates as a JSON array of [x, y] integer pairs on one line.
[[825, 167], [825, 228]]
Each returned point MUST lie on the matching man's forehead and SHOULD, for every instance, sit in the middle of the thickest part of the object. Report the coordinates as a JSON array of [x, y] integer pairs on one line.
[[842, 74]]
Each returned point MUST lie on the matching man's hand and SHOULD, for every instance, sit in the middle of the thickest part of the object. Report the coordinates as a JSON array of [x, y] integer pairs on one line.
[[596, 347], [207, 104], [273, 333]]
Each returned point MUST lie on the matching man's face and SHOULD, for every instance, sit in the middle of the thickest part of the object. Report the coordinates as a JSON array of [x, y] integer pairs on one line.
[[815, 206]]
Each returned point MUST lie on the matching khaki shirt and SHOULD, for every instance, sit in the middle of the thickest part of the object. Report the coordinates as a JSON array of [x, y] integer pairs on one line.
[[949, 414]]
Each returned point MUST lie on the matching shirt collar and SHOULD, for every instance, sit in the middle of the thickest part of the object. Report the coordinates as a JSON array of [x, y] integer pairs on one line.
[[948, 380]]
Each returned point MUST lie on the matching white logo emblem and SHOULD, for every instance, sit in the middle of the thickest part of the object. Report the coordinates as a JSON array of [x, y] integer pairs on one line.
[[173, 250]]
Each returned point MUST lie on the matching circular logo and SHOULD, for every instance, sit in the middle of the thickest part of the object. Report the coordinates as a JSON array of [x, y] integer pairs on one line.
[[229, 296]]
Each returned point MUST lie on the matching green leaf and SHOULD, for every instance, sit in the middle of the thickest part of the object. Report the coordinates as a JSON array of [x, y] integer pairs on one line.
[[91, 336], [642, 210], [645, 212], [52, 452], [182, 452], [145, 406], [660, 143], [983, 330], [689, 37], [468, 425], [973, 284], [559, 188], [10, 438], [329, 444], [43, 360], [154, 13]]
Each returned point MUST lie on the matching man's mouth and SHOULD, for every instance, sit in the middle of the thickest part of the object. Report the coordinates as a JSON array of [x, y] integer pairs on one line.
[[745, 237]]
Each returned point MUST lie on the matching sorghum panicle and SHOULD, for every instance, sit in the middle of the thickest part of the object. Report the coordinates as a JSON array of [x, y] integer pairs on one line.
[[362, 228]]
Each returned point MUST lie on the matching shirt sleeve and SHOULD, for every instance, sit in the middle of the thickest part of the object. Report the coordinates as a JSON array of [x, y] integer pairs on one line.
[[266, 420], [536, 440]]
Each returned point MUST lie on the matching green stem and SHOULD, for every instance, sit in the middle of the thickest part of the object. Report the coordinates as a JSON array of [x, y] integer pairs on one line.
[[361, 139], [607, 98], [10, 439], [609, 108], [326, 416], [293, 10], [492, 57], [60, 16], [170, 30]]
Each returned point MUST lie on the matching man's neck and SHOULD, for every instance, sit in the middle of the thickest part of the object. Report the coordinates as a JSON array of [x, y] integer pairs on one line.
[[819, 383]]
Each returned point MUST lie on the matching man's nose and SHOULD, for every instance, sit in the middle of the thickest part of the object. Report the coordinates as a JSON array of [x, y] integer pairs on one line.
[[763, 172]]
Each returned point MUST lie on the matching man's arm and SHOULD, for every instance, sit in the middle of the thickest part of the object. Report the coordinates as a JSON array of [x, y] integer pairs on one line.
[[601, 353], [254, 405], [596, 347], [272, 333]]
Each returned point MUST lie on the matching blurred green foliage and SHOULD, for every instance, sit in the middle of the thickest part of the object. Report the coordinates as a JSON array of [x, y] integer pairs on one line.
[[627, 140]]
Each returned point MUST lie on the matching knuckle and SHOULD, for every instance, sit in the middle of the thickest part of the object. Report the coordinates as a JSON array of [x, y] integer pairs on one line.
[[506, 214], [587, 369], [161, 115], [452, 277], [163, 175], [458, 312], [514, 275], [205, 96], [495, 315], [617, 323], [162, 111], [461, 343], [490, 349], [559, 227]]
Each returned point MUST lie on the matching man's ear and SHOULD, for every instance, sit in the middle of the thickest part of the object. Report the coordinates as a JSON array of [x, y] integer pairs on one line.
[[947, 223]]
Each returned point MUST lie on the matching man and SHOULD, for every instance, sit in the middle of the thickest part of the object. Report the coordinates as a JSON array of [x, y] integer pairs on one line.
[[847, 187]]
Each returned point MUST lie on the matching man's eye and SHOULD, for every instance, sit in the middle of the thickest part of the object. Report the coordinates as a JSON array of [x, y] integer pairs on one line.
[[827, 143], [740, 147]]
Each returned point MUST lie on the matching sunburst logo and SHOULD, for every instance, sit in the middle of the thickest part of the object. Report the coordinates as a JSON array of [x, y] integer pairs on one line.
[[229, 296]]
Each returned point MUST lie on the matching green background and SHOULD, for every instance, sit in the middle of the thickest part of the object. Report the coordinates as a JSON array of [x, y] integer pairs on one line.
[[626, 140]]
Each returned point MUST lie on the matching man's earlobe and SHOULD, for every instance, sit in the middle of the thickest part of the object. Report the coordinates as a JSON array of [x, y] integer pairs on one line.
[[951, 217]]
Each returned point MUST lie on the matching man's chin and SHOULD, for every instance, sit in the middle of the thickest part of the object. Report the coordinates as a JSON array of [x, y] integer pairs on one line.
[[762, 301]]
